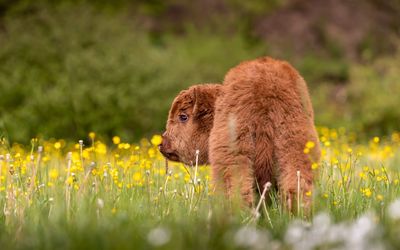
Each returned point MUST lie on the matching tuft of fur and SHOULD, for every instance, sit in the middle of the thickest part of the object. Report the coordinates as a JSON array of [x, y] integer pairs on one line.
[[252, 129]]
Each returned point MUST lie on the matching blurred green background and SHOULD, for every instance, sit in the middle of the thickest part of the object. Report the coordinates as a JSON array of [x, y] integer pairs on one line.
[[113, 67]]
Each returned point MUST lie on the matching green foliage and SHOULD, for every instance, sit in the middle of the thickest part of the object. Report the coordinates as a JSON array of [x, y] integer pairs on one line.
[[317, 69], [368, 103], [374, 96], [64, 74]]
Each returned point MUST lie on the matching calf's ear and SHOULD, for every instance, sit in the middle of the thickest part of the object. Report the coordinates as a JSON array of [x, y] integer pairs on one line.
[[204, 100]]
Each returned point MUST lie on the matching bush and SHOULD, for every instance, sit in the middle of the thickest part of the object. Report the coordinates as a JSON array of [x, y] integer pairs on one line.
[[368, 103], [374, 96]]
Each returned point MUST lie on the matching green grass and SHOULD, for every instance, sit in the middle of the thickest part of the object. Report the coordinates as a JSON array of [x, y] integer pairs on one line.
[[120, 197]]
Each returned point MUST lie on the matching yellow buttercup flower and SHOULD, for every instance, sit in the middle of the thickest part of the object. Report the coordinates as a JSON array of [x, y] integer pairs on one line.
[[92, 135], [116, 140], [156, 140], [367, 192], [70, 180], [314, 166], [151, 152], [137, 176], [53, 174], [310, 144], [101, 148], [334, 134], [362, 175]]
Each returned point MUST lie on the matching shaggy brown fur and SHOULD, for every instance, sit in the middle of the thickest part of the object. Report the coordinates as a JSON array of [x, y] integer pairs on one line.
[[252, 129]]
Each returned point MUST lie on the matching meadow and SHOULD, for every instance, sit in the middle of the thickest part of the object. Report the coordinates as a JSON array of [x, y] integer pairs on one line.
[[98, 194], [69, 67]]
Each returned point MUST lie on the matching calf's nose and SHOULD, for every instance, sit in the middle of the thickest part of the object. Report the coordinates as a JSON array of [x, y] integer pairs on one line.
[[163, 141]]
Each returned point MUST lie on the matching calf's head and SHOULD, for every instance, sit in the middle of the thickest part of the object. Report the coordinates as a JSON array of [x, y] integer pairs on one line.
[[189, 124]]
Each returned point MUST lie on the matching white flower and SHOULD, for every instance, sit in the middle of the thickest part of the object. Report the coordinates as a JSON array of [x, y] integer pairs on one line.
[[250, 237], [394, 210], [360, 234], [100, 203], [159, 236], [296, 232]]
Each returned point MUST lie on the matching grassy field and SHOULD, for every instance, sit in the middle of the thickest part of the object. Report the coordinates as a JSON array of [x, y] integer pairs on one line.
[[59, 194]]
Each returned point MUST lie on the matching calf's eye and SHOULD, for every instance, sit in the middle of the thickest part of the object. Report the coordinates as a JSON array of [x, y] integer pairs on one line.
[[183, 118]]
